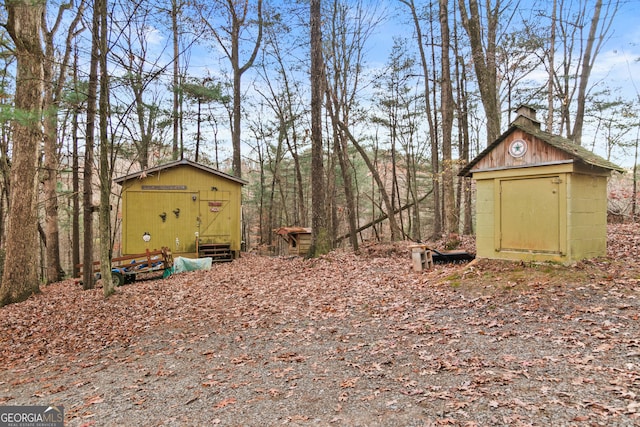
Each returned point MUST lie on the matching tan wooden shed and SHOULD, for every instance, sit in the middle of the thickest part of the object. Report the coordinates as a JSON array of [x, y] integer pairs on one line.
[[539, 196], [185, 206], [298, 239]]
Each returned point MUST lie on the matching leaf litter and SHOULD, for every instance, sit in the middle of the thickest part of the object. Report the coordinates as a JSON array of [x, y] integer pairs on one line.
[[344, 339]]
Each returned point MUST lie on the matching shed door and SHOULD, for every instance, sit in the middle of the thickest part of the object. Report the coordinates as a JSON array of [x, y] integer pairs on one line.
[[530, 214], [215, 218]]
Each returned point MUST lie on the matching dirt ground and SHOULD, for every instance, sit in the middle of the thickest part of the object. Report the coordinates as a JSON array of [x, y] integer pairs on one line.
[[343, 340]]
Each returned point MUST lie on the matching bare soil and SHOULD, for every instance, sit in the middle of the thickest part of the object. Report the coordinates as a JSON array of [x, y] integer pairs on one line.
[[343, 340]]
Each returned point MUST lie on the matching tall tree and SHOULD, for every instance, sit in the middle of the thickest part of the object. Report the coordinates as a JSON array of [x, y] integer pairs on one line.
[[598, 30], [6, 103], [464, 195], [400, 113], [320, 239], [551, 55], [482, 37], [572, 79], [135, 54], [24, 25], [447, 107], [176, 7], [52, 99], [87, 174], [104, 211], [76, 100], [229, 38], [350, 24], [431, 117], [204, 92], [286, 101]]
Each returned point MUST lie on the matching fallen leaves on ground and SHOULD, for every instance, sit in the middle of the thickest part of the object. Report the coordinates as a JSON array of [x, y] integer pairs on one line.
[[344, 339]]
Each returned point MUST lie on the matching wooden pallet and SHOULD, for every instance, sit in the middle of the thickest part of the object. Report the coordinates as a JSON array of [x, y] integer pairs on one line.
[[218, 252]]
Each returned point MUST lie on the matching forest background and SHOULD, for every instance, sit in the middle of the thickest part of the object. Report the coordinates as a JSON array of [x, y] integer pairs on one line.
[[351, 116]]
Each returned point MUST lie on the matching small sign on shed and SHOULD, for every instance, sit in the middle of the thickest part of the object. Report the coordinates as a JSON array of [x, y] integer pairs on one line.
[[297, 238], [539, 196]]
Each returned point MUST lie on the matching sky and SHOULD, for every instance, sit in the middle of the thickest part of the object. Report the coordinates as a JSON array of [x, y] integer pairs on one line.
[[617, 65]]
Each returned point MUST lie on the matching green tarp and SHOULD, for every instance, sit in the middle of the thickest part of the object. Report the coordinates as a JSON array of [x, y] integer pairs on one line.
[[182, 264]]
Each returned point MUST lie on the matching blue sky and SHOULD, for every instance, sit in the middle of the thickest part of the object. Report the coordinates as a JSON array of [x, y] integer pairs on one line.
[[617, 65]]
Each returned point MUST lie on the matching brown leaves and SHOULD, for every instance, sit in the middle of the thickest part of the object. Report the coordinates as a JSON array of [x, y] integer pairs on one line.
[[225, 402], [495, 343]]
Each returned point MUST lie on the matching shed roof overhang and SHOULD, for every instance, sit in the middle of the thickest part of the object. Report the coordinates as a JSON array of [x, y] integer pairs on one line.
[[142, 174], [577, 153]]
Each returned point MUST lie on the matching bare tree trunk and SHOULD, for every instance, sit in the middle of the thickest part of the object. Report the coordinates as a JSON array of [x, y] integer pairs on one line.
[[20, 276], [484, 58], [54, 271], [447, 106], [238, 18], [552, 68], [75, 180], [52, 93], [588, 60], [433, 133], [462, 103], [92, 100], [320, 243], [5, 169], [176, 80], [340, 149], [376, 176], [105, 151], [634, 196], [436, 166]]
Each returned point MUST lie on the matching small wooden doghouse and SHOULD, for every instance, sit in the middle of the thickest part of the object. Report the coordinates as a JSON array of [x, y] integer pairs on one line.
[[297, 238], [184, 206], [539, 197]]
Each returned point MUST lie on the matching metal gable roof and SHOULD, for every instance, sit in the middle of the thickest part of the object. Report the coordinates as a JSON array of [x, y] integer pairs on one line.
[[142, 174]]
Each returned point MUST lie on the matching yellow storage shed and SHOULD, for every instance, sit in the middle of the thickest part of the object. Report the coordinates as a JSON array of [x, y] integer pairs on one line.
[[187, 207], [539, 196]]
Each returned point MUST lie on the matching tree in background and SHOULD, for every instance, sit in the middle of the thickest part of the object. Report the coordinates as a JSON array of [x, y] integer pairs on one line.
[[447, 107], [24, 25], [51, 107], [87, 175], [204, 92], [401, 110], [320, 239], [482, 39], [430, 112], [105, 161], [229, 38], [349, 26], [284, 97], [140, 93], [572, 79]]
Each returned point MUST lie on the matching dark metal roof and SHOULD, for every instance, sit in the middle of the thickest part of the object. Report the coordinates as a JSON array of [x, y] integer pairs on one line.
[[575, 151], [144, 173]]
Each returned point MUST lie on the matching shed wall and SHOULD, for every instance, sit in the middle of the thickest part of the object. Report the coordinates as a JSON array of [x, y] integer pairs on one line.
[[582, 212], [214, 214], [587, 216], [485, 218]]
